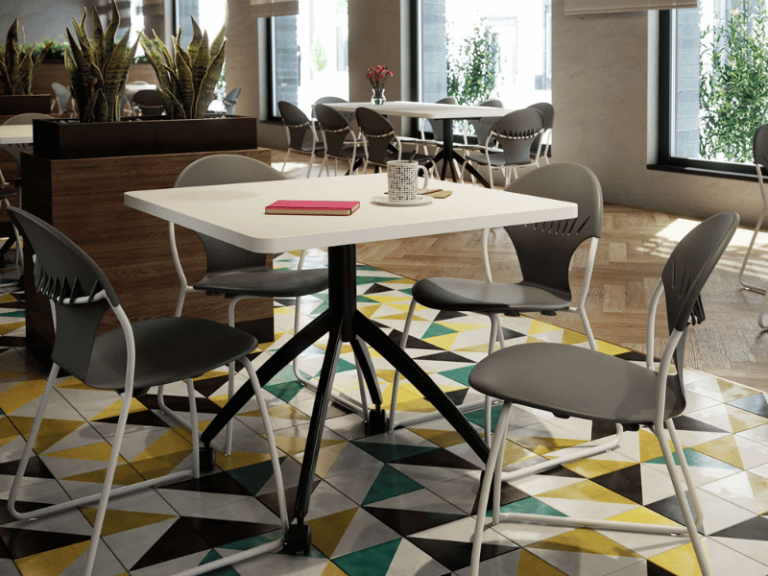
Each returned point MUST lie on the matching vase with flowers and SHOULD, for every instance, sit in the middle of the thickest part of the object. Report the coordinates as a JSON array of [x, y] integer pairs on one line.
[[377, 76]]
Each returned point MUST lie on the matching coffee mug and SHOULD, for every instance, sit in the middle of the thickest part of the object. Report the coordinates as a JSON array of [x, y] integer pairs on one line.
[[402, 177]]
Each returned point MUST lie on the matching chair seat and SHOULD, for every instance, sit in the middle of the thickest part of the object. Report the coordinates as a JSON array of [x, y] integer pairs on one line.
[[265, 282], [419, 158], [497, 159], [346, 152], [306, 146], [573, 381], [459, 294], [167, 350]]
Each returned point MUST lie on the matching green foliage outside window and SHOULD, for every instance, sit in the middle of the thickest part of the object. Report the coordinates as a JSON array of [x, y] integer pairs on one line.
[[319, 59], [733, 92]]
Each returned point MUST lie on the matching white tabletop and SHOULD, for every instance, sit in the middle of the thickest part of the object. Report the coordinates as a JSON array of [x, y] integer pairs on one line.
[[234, 213], [425, 110], [16, 134]]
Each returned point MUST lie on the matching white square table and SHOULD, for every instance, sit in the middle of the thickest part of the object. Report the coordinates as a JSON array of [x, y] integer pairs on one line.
[[234, 213], [16, 134], [433, 111]]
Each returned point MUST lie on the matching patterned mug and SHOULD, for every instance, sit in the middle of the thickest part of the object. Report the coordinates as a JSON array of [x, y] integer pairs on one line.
[[402, 177]]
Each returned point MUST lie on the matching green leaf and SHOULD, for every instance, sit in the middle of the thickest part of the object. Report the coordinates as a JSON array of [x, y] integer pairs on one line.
[[208, 84]]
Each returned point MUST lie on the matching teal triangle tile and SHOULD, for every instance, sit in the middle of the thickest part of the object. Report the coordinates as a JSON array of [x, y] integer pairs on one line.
[[527, 506], [406, 291], [286, 391], [755, 404], [407, 522], [437, 330], [212, 556], [460, 375], [626, 482], [341, 366], [178, 541], [364, 300], [478, 416], [373, 561], [392, 452], [456, 555], [17, 314], [390, 483], [366, 268], [319, 310], [253, 542], [694, 458], [253, 477]]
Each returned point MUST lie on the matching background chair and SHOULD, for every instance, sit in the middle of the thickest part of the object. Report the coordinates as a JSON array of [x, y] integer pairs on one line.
[[482, 127], [230, 100], [436, 129], [63, 98], [231, 271], [297, 126], [514, 134], [149, 102], [543, 144], [129, 359], [544, 252], [378, 133], [335, 131], [573, 381]]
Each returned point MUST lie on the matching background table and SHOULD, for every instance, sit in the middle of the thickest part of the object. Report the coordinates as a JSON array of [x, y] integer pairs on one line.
[[16, 134], [445, 112], [234, 213]]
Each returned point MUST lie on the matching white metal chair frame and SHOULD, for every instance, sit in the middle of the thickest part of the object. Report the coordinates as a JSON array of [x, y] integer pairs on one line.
[[744, 284], [494, 473], [315, 141], [107, 491], [506, 170], [351, 160]]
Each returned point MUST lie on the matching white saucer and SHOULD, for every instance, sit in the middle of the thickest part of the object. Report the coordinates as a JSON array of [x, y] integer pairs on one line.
[[418, 201]]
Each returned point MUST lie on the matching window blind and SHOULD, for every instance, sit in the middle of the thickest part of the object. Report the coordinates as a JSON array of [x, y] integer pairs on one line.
[[576, 7]]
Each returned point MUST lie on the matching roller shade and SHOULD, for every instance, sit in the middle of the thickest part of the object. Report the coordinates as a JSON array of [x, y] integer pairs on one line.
[[576, 7], [270, 8]]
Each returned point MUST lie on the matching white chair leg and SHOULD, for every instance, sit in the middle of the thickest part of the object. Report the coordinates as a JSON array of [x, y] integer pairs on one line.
[[686, 473], [311, 162], [587, 328], [396, 380], [195, 428], [752, 287], [488, 400], [287, 153], [761, 313]]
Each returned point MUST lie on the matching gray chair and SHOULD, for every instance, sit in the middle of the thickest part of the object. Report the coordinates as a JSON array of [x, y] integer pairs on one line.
[[571, 381], [514, 134], [63, 98], [378, 134], [149, 102], [425, 125], [336, 131], [482, 128], [127, 360], [542, 146], [297, 128], [231, 271], [230, 100], [544, 252]]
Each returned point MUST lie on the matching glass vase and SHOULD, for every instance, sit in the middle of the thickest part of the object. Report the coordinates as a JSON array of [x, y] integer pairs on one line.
[[378, 97]]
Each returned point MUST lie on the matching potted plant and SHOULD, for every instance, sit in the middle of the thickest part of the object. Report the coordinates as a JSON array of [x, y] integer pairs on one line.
[[18, 64]]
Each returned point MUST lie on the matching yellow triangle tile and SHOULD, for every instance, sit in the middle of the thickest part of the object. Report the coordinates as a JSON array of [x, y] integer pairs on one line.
[[117, 521], [52, 562], [442, 438], [445, 341], [388, 299], [239, 460], [588, 491], [543, 446], [211, 374], [402, 316], [7, 299], [680, 561], [220, 401], [724, 449], [16, 375], [406, 307], [99, 452], [463, 326], [125, 475], [759, 487], [113, 411], [531, 340], [742, 420], [514, 453], [7, 431], [539, 327], [283, 310], [591, 467], [399, 280], [643, 516], [570, 337], [169, 443], [295, 445], [649, 446], [73, 383], [11, 326], [612, 349], [585, 541], [51, 430], [369, 311], [332, 570], [151, 468], [20, 395], [386, 375], [732, 391], [281, 412], [328, 531], [530, 565]]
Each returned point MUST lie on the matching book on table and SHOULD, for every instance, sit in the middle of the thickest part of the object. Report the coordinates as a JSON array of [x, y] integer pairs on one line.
[[312, 207]]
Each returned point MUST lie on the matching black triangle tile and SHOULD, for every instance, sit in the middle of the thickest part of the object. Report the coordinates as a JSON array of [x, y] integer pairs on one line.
[[407, 522], [285, 301], [458, 396], [440, 458], [143, 418], [208, 386], [656, 570], [221, 532], [179, 404], [755, 404], [456, 555], [22, 543], [510, 334], [446, 356], [270, 500], [15, 342], [509, 494], [412, 343], [602, 429], [625, 482], [4, 552], [444, 315], [687, 423], [753, 529], [35, 468], [21, 506], [219, 483], [631, 356], [670, 508], [178, 541], [378, 289], [562, 472]]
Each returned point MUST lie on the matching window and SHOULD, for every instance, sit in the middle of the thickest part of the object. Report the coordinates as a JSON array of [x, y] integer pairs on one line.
[[714, 84], [512, 38], [309, 54]]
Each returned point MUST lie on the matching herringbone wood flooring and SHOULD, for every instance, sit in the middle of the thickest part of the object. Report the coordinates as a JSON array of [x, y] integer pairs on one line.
[[630, 256]]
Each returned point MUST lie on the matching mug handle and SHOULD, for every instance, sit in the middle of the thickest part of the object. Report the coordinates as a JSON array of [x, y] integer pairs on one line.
[[426, 179]]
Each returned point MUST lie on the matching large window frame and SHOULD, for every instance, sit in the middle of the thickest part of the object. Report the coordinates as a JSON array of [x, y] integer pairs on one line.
[[665, 159]]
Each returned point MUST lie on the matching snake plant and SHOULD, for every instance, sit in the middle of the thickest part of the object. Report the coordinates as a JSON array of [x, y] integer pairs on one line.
[[188, 80], [98, 68], [17, 64]]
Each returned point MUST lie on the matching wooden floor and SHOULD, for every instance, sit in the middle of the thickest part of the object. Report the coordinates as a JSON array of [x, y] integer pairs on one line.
[[630, 256]]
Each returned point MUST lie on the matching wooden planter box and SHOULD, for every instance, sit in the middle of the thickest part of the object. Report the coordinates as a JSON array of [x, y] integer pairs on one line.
[[12, 105], [66, 139]]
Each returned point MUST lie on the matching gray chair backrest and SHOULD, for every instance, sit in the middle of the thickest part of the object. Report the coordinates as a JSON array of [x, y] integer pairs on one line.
[[227, 169], [350, 116], [544, 250], [516, 132], [760, 146], [230, 100], [483, 126], [25, 119], [437, 126], [378, 133], [335, 128], [297, 123], [149, 102], [548, 112], [63, 271]]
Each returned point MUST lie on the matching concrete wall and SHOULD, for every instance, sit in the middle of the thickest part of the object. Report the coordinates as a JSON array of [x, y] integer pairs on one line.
[[40, 18]]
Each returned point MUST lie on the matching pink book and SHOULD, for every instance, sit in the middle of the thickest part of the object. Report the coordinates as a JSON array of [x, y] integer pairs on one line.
[[312, 207]]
